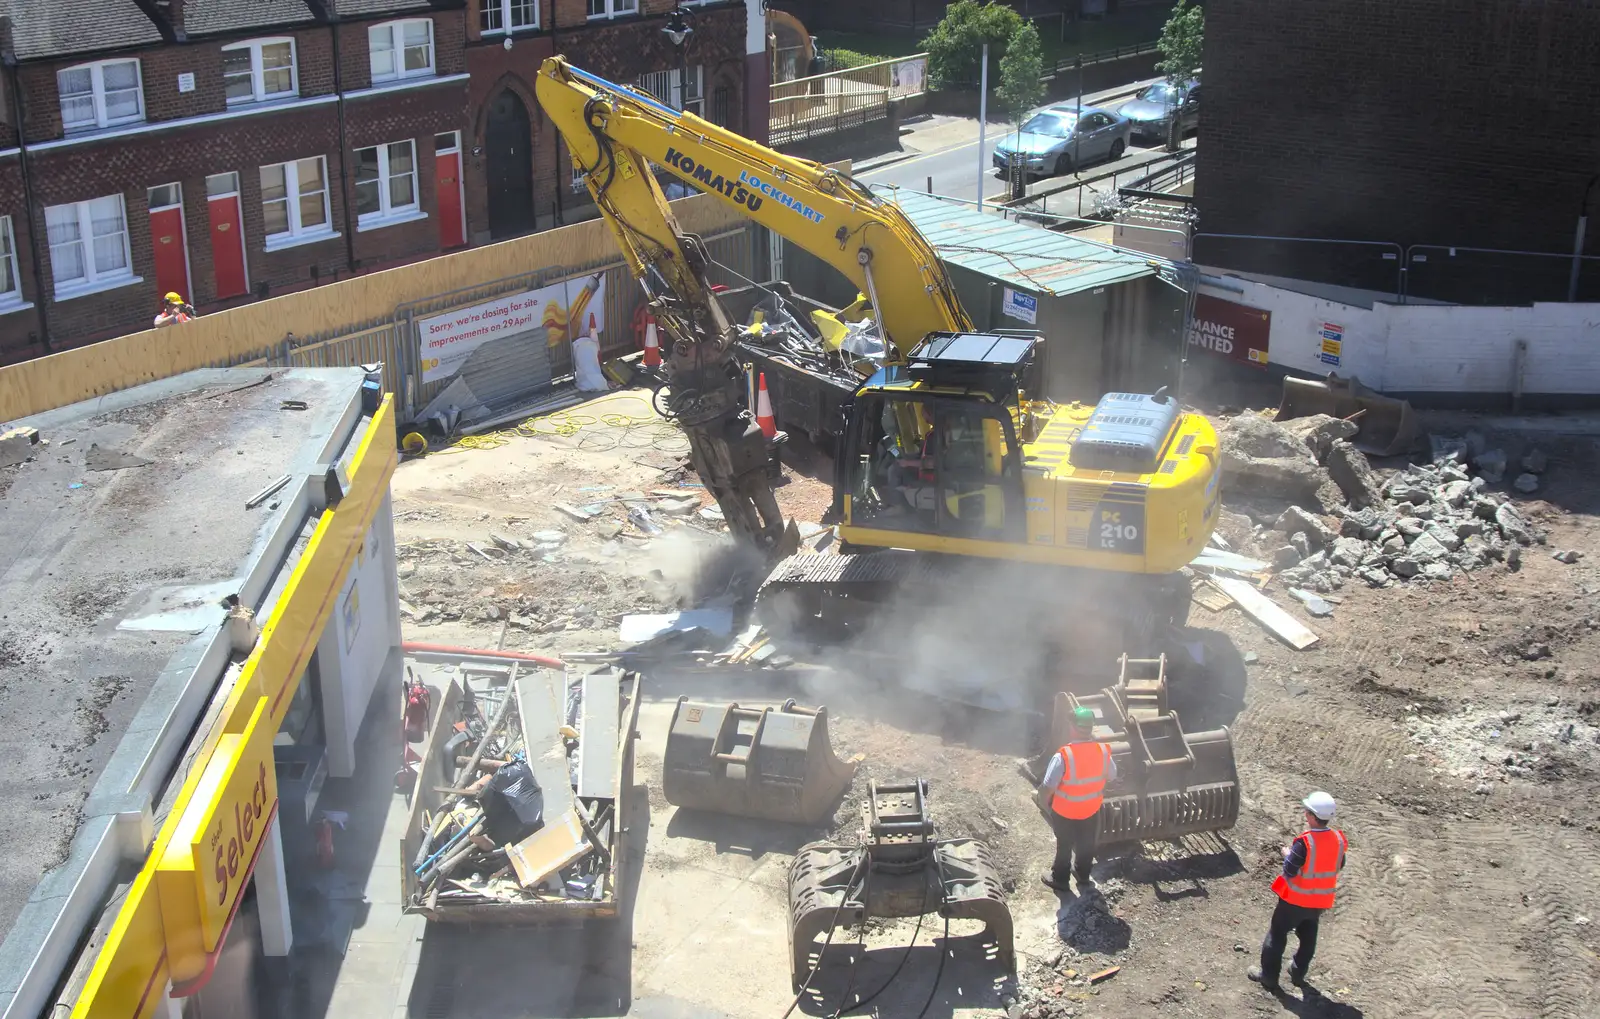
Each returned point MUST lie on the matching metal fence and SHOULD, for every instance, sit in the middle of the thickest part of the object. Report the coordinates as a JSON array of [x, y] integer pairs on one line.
[[1436, 272], [397, 343], [826, 103]]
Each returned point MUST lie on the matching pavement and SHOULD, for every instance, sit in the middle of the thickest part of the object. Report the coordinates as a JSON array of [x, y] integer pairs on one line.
[[940, 153]]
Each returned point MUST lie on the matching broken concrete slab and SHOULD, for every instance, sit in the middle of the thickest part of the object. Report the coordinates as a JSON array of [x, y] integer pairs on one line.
[[1535, 462], [636, 629], [1512, 525], [1527, 484], [1297, 519], [1348, 551], [1316, 606], [1425, 548], [101, 458], [1491, 465], [1349, 469], [1568, 556]]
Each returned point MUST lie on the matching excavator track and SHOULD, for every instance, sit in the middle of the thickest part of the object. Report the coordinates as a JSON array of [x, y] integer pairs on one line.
[[841, 593]]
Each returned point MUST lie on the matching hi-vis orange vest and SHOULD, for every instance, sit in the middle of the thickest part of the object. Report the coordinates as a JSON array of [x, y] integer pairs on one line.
[[1314, 886], [1083, 779]]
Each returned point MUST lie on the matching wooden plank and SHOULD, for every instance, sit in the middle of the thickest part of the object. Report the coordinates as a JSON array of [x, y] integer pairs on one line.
[[1217, 559], [597, 735], [542, 706], [1211, 597], [556, 845], [1266, 612]]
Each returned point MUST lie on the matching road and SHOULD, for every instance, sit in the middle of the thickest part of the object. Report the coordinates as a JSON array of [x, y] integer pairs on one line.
[[950, 155]]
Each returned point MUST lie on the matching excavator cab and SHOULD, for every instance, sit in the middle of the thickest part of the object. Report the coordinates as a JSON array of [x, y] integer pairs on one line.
[[932, 447]]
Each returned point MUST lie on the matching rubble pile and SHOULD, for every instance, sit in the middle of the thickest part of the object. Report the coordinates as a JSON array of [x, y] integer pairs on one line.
[[1427, 521]]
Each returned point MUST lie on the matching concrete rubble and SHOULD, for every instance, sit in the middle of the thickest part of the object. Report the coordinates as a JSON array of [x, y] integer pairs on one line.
[[1423, 522]]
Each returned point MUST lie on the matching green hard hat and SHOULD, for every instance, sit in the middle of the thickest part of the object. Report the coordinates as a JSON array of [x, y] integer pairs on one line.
[[1083, 717]]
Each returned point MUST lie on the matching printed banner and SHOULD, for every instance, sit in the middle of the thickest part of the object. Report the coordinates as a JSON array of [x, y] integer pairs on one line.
[[562, 309], [1235, 331], [1022, 307]]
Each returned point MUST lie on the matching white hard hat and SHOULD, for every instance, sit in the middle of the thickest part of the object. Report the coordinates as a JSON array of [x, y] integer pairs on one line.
[[1320, 804]]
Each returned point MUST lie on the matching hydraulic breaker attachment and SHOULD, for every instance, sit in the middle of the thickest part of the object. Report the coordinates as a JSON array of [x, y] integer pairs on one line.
[[773, 763], [1169, 782], [900, 869]]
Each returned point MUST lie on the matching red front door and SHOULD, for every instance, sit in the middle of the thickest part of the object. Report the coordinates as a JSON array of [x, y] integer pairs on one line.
[[169, 241], [227, 235], [227, 247], [447, 179]]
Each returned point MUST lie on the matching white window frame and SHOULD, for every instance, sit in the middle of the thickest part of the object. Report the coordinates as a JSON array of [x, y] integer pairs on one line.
[[387, 214], [97, 88], [504, 7], [93, 280], [258, 93], [397, 42], [11, 300], [674, 89], [578, 185], [616, 9], [297, 233]]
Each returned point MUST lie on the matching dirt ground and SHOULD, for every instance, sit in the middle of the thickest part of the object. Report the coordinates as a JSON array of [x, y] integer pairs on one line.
[[1455, 722]]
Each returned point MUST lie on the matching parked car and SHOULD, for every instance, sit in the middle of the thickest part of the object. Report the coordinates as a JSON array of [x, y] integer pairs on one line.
[[1057, 139], [1152, 111]]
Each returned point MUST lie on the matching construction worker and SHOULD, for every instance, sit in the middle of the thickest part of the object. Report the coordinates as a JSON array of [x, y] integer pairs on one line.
[[1070, 795], [1311, 866], [174, 310]]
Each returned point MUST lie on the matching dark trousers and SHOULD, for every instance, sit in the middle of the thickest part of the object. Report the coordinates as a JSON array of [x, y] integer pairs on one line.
[[1302, 920], [1074, 839]]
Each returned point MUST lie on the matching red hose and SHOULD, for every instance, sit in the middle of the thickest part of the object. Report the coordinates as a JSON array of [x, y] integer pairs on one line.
[[451, 649]]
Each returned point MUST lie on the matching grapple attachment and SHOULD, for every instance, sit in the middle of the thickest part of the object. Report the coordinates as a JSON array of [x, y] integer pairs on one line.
[[900, 869], [1169, 782], [772, 763]]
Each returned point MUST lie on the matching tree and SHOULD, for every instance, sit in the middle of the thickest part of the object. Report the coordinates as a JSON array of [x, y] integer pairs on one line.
[[1182, 44], [955, 46], [1021, 70]]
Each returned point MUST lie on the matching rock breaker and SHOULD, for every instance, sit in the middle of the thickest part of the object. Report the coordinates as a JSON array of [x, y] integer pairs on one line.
[[900, 869], [773, 763]]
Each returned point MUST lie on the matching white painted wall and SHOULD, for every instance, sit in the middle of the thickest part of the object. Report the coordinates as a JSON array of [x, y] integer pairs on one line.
[[1420, 348], [358, 641]]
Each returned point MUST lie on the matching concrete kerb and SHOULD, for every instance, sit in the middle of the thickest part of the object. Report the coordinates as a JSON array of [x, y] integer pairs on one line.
[[119, 819]]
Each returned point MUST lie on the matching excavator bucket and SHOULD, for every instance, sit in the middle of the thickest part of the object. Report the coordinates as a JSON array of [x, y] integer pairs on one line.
[[1385, 426], [1169, 782], [773, 763]]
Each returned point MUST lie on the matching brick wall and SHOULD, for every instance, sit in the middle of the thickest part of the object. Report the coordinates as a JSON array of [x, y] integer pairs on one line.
[[1450, 122], [129, 164]]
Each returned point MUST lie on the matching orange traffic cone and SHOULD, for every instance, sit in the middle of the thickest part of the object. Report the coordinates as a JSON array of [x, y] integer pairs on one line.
[[764, 418], [652, 346]]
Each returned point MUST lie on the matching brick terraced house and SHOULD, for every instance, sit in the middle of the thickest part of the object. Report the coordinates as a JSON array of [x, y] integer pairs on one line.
[[227, 150], [233, 150]]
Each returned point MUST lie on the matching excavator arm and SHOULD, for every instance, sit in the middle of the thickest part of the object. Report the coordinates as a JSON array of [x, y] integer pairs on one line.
[[615, 132]]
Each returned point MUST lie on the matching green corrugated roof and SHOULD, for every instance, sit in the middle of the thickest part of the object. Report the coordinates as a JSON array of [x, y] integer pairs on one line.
[[1028, 257]]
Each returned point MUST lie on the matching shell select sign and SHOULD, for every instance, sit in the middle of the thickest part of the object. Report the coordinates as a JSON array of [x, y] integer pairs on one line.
[[202, 875]]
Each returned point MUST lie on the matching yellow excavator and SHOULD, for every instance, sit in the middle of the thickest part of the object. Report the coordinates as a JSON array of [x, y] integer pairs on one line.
[[949, 475], [945, 457]]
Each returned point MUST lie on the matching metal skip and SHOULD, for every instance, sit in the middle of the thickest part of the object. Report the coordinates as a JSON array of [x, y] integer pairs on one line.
[[775, 763]]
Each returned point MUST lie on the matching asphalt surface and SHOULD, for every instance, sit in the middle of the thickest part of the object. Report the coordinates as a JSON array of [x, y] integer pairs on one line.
[[951, 164]]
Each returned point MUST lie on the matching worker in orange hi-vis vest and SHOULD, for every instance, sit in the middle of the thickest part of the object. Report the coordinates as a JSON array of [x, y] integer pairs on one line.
[[173, 311], [1305, 887], [1070, 796]]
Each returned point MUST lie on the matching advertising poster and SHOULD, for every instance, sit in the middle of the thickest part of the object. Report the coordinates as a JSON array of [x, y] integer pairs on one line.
[[562, 310], [1234, 331], [1021, 307]]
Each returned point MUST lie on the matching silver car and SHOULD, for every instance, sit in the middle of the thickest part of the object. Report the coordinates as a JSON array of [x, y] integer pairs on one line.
[[1153, 110], [1057, 139]]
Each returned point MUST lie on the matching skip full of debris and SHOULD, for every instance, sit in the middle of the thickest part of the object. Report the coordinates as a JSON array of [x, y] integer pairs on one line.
[[530, 812]]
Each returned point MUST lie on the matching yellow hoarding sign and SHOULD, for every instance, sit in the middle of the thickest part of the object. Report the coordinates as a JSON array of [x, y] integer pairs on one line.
[[202, 874]]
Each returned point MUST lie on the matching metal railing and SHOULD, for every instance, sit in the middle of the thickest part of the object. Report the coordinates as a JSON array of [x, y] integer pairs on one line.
[[897, 77], [1106, 56], [1140, 170], [798, 118], [1453, 274]]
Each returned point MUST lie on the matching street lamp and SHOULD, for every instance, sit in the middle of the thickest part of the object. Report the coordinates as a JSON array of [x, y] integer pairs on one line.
[[678, 30]]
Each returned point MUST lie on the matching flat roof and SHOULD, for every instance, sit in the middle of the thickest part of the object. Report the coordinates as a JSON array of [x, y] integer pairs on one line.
[[118, 539], [1028, 257]]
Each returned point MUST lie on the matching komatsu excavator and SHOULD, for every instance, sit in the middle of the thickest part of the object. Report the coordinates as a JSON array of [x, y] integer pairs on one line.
[[946, 463], [944, 452]]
